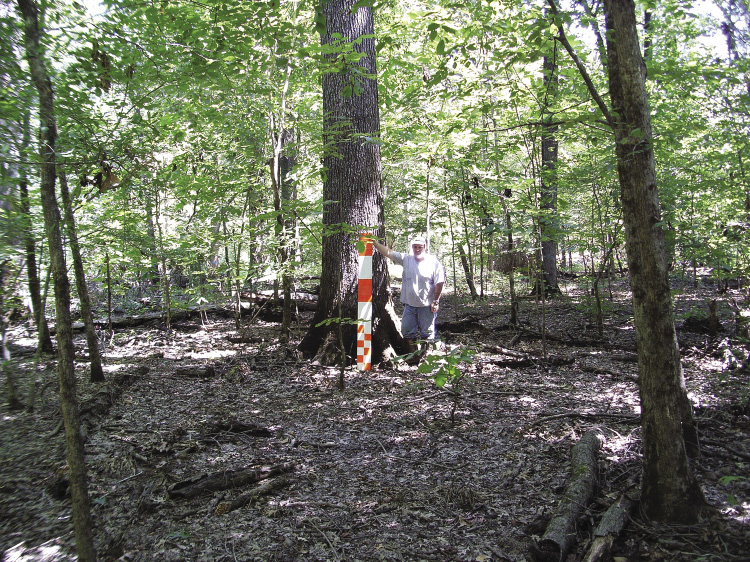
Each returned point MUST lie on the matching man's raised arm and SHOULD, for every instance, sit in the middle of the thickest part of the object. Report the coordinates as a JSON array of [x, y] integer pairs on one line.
[[385, 250]]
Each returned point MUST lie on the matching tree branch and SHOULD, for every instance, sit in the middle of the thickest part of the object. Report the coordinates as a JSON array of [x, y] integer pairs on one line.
[[581, 68]]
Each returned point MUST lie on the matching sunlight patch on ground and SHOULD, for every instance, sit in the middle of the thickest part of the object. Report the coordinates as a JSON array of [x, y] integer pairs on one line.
[[619, 447], [45, 552], [216, 354]]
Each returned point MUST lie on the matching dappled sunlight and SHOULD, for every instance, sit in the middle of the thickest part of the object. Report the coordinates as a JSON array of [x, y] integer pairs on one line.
[[391, 451], [50, 551]]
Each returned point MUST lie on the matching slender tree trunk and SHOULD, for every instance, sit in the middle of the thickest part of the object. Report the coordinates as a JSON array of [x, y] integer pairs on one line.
[[549, 222], [428, 226], [109, 297], [288, 195], [97, 374], [154, 277], [670, 492], [511, 275], [453, 248], [167, 298], [352, 189], [466, 260], [283, 190], [65, 351], [466, 264], [11, 385], [44, 340]]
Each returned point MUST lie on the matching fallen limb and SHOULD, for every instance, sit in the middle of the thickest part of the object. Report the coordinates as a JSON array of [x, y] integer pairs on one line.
[[585, 415], [225, 480], [265, 488], [504, 351], [574, 342], [736, 452], [239, 427], [531, 360], [561, 530], [612, 523]]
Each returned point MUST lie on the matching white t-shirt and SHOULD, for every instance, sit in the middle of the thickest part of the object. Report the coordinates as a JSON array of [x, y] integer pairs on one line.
[[419, 278]]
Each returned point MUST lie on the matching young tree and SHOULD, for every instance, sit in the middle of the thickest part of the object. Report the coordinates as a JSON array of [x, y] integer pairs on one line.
[[549, 221], [95, 358], [352, 190], [69, 404], [44, 340], [670, 492]]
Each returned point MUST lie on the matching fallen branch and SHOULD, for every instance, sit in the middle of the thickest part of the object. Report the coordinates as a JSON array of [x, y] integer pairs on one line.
[[612, 523], [265, 488], [584, 415], [504, 351], [225, 480], [561, 530], [736, 452], [531, 360], [239, 427]]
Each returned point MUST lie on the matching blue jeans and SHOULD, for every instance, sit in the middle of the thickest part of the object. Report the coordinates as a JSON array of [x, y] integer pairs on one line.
[[418, 323]]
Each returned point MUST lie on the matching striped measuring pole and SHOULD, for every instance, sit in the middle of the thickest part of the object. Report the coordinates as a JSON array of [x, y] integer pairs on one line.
[[364, 307]]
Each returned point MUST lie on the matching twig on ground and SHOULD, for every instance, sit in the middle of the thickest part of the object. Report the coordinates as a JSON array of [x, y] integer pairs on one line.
[[325, 536]]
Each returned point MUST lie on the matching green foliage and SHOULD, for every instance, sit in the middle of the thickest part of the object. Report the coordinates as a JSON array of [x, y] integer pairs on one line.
[[445, 368], [727, 481], [186, 101]]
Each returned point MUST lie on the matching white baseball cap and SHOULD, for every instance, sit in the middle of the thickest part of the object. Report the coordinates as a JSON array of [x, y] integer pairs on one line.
[[419, 240]]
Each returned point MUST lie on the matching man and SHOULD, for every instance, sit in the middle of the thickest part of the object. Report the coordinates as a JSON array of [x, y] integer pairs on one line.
[[421, 285]]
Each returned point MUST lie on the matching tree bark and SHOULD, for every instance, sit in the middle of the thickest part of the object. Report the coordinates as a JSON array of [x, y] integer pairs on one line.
[[65, 351], [283, 191], [352, 189], [44, 340], [97, 374], [11, 387], [467, 272], [611, 525], [548, 222], [226, 480], [560, 534], [670, 492]]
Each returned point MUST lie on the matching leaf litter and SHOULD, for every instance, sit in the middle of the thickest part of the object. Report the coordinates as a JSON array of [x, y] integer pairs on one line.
[[392, 468]]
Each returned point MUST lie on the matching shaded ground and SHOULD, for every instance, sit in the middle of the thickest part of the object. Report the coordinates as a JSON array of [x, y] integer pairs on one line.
[[392, 468]]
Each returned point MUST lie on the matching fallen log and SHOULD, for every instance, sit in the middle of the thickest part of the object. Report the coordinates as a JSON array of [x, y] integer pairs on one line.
[[265, 488], [560, 534], [225, 479], [612, 523]]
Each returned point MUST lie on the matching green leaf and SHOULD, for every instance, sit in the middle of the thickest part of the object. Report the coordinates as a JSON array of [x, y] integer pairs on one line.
[[440, 378]]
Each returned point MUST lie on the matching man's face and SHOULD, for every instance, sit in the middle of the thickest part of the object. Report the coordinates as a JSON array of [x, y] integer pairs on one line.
[[417, 250]]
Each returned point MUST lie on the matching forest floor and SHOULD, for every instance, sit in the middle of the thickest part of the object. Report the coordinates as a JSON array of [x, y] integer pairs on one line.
[[391, 468]]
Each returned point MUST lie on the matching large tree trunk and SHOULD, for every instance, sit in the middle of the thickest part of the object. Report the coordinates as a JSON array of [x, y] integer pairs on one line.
[[97, 374], [44, 340], [352, 191], [65, 351], [670, 492]]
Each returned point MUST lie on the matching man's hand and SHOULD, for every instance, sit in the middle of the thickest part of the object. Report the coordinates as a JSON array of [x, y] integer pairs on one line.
[[434, 306]]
